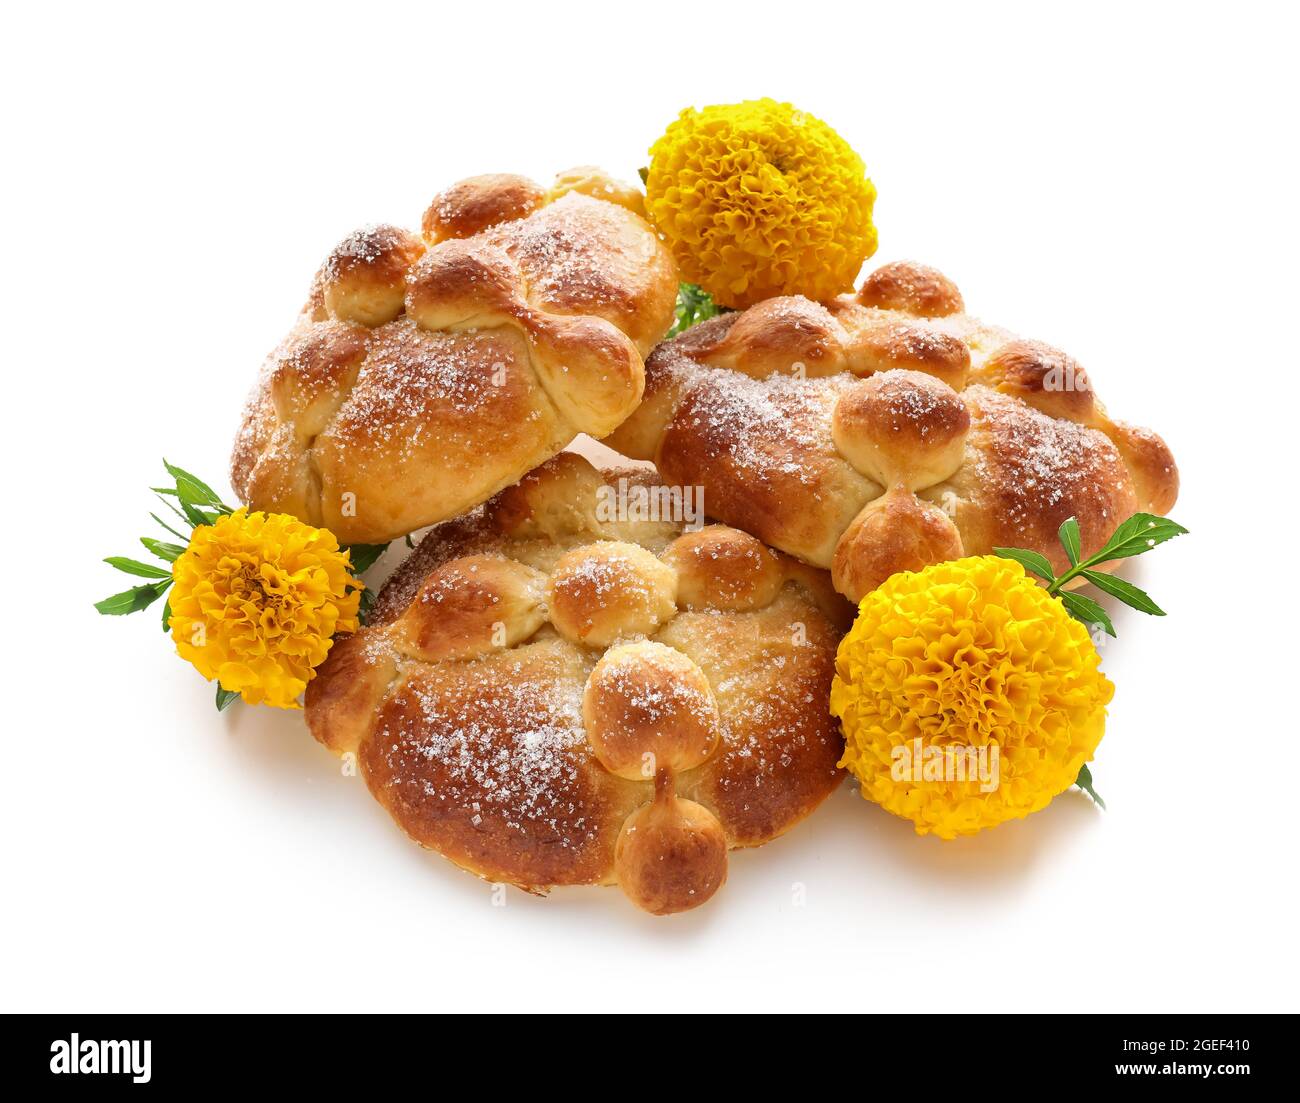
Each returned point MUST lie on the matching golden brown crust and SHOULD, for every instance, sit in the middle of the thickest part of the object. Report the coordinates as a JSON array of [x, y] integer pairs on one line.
[[1025, 472], [880, 345], [418, 382], [1042, 377], [363, 280], [486, 762], [798, 418], [671, 854], [1149, 462], [911, 288], [407, 443], [901, 428], [472, 606], [779, 753], [343, 693], [724, 568], [498, 730], [896, 532], [581, 255], [789, 335], [647, 707], [757, 447], [600, 593], [473, 205]]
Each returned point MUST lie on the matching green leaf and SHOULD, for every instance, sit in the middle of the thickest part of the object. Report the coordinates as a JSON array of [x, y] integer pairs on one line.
[[1030, 560], [168, 527], [225, 698], [176, 510], [193, 493], [1125, 591], [135, 567], [132, 600], [694, 305], [192, 487], [364, 555], [169, 552], [167, 615], [1084, 782], [1085, 609], [1141, 532], [196, 516], [1069, 537], [644, 173], [364, 605]]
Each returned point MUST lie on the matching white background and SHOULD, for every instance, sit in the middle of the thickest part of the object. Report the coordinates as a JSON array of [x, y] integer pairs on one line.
[[1118, 180]]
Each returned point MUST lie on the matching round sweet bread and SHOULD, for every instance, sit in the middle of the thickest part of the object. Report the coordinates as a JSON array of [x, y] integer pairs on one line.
[[427, 371], [888, 430], [567, 687]]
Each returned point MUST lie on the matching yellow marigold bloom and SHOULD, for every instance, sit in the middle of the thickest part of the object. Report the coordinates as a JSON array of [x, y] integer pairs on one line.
[[968, 696], [256, 601], [758, 199]]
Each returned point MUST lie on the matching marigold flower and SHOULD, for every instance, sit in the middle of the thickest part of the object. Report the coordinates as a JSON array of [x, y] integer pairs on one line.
[[959, 657], [256, 602], [758, 199]]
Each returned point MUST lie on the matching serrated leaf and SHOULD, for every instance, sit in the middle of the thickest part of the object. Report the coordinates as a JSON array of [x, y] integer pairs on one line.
[[225, 698], [1086, 610], [135, 567], [1125, 591], [169, 552], [1032, 561], [1084, 782], [1068, 534], [192, 486], [132, 600], [1140, 533], [165, 525], [363, 556], [176, 509]]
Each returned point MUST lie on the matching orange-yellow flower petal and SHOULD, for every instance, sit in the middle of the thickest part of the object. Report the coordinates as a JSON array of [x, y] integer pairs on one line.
[[963, 661], [256, 601], [759, 199]]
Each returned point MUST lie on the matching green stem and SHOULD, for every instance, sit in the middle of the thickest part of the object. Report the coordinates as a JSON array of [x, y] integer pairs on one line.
[[1075, 571]]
